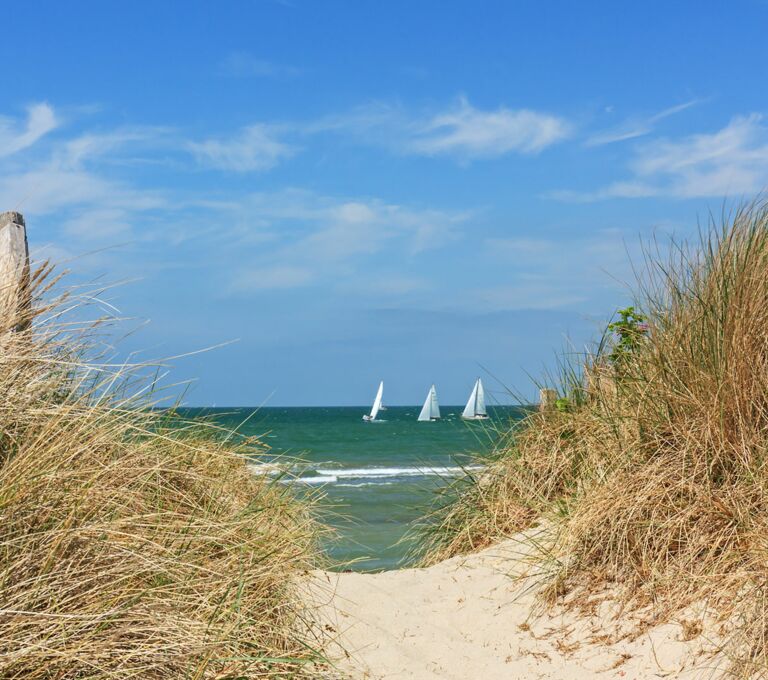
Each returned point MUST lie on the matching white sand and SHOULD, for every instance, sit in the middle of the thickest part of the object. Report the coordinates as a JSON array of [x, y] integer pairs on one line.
[[472, 618]]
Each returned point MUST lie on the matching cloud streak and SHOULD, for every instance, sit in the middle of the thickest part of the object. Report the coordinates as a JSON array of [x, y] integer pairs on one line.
[[462, 131], [636, 127], [470, 133], [729, 162], [255, 148], [40, 121]]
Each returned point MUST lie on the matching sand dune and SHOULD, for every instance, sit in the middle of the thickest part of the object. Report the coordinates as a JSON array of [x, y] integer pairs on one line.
[[472, 617]]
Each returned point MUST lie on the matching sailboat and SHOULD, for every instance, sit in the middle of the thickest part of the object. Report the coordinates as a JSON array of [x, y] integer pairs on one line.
[[475, 408], [431, 409], [376, 405]]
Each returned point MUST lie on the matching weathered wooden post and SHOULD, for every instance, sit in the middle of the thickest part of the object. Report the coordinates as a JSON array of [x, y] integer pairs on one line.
[[15, 293], [600, 383], [547, 399]]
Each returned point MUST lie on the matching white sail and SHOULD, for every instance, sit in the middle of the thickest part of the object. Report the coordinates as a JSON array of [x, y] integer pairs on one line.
[[480, 401], [434, 406], [377, 402], [469, 409], [431, 409], [475, 408]]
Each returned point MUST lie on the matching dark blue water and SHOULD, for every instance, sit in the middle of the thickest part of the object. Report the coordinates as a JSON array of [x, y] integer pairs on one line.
[[375, 478]]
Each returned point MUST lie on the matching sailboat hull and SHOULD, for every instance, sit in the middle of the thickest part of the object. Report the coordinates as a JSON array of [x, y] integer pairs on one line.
[[478, 417]]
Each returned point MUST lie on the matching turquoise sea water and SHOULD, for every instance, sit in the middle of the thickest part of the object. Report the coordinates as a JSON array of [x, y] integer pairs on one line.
[[376, 478]]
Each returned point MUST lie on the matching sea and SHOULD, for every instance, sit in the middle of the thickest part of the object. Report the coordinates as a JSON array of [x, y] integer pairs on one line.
[[373, 480]]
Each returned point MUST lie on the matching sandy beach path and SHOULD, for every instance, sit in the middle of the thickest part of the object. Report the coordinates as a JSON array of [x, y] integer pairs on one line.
[[471, 617]]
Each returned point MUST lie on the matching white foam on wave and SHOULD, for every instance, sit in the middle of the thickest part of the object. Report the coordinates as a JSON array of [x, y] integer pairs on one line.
[[359, 484], [333, 475], [320, 479], [377, 472], [265, 468]]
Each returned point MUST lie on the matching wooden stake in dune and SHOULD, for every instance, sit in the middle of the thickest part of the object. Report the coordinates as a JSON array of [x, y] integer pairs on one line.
[[547, 399], [15, 294]]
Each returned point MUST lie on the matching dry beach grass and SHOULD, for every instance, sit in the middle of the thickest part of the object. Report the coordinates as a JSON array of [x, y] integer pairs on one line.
[[653, 471], [133, 545]]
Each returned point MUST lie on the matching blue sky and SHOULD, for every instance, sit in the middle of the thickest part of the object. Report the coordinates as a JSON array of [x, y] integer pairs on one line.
[[413, 191]]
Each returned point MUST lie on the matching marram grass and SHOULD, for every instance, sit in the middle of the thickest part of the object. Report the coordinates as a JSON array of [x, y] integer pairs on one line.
[[132, 545], [652, 473]]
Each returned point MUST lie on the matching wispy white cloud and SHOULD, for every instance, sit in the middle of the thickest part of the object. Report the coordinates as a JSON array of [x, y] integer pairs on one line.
[[472, 133], [460, 131], [82, 184], [90, 146], [255, 148], [41, 119], [246, 65], [50, 187], [636, 126], [65, 179], [328, 240], [730, 162], [384, 117]]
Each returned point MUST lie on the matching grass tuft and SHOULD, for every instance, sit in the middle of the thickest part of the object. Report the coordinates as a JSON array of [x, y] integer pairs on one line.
[[133, 544], [652, 470]]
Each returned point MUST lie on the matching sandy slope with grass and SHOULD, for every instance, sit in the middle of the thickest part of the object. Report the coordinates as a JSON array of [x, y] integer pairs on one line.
[[479, 617]]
